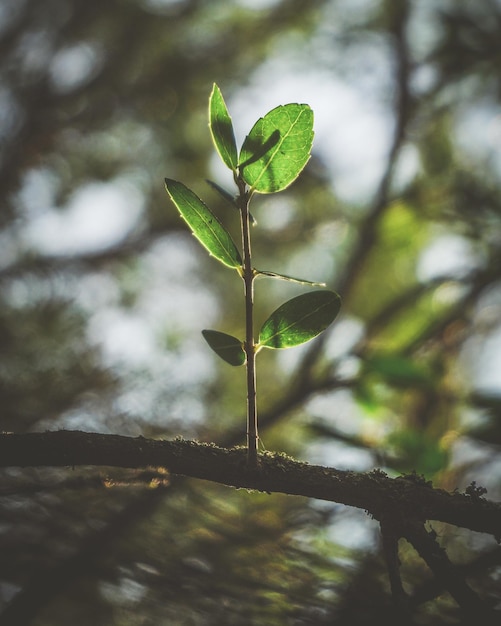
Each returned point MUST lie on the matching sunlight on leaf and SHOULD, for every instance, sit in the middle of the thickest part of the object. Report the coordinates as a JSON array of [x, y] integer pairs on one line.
[[277, 148], [221, 129], [204, 224], [300, 319], [229, 348]]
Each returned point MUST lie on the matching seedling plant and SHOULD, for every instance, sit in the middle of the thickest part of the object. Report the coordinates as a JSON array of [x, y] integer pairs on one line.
[[272, 156]]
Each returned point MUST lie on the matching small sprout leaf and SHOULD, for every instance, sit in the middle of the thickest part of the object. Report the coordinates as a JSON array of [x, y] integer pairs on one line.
[[290, 279], [300, 319], [227, 196], [204, 224], [277, 148], [229, 348], [222, 192], [221, 129]]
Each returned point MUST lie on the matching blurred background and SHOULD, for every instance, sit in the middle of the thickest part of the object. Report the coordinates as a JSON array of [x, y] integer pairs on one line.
[[104, 293]]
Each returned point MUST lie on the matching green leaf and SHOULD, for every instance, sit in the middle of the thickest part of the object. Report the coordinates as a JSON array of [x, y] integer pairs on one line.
[[204, 224], [290, 279], [299, 319], [223, 193], [418, 451], [221, 129], [399, 371], [229, 348], [277, 148]]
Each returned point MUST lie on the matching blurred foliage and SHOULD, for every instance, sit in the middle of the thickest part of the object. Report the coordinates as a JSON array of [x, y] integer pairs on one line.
[[104, 333]]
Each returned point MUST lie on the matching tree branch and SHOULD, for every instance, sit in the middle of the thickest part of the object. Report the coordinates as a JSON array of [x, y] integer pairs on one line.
[[390, 537], [447, 574], [409, 497]]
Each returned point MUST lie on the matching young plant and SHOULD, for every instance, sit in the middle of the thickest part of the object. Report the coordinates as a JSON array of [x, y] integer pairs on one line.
[[271, 158]]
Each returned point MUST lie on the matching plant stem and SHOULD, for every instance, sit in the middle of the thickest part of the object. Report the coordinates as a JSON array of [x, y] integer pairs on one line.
[[250, 348]]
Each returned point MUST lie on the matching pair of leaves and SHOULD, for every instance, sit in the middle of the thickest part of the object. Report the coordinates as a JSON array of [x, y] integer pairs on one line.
[[274, 152], [293, 323]]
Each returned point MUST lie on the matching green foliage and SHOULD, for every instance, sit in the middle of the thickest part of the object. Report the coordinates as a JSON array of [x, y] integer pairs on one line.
[[289, 279], [229, 348], [135, 116], [402, 232], [277, 148], [204, 224], [299, 319], [418, 452], [221, 129], [398, 370], [273, 155]]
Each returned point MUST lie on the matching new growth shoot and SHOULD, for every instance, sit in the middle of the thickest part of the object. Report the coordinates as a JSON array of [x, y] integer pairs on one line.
[[272, 156]]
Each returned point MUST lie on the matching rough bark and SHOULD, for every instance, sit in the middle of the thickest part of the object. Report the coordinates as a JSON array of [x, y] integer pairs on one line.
[[407, 497]]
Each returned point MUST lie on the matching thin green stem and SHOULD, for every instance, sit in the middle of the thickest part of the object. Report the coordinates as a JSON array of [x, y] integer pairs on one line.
[[250, 348]]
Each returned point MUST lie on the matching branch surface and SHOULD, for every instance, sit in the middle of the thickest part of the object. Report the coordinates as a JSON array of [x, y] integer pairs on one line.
[[408, 496]]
